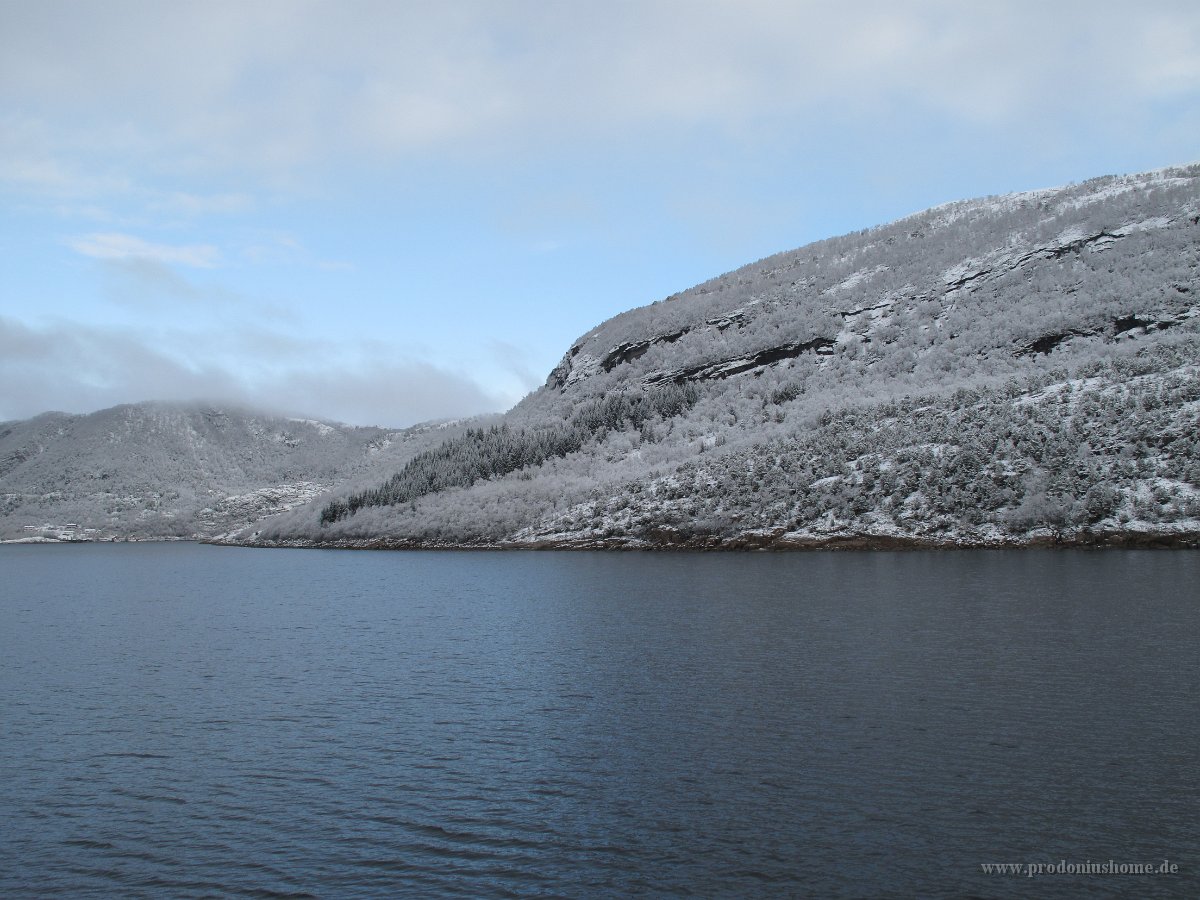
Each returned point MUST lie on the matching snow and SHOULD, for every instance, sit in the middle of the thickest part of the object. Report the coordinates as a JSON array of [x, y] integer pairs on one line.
[[1124, 185], [321, 427], [1151, 224], [857, 278]]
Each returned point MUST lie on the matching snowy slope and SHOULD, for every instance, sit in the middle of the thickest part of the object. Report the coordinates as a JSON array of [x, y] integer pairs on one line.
[[157, 470], [1007, 369]]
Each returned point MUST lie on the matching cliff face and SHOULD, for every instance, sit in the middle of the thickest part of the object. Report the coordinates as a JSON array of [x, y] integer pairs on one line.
[[987, 278], [1013, 369]]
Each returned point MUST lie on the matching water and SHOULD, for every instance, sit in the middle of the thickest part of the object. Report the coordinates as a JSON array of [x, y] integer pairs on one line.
[[194, 721]]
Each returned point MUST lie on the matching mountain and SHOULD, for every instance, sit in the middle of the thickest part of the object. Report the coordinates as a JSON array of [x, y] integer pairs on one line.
[[1010, 370], [179, 471], [1014, 369]]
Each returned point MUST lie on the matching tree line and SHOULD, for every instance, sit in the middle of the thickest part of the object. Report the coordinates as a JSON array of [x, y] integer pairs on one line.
[[483, 453]]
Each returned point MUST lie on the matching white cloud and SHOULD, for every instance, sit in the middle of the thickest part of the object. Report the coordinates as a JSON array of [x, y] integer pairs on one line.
[[278, 247], [75, 368], [378, 392], [117, 246], [272, 86], [31, 161], [515, 361], [202, 204], [72, 367]]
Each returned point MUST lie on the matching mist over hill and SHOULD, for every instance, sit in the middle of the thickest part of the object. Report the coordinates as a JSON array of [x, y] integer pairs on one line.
[[1010, 369], [155, 470]]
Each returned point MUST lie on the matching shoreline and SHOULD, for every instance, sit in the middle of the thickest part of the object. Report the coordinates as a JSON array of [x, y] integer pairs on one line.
[[1085, 539], [759, 543]]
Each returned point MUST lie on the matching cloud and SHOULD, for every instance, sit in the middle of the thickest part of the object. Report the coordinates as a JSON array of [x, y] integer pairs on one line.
[[77, 368], [202, 204], [31, 161], [117, 246], [145, 284], [161, 293], [278, 247], [403, 392], [198, 86], [390, 131], [74, 368], [515, 361]]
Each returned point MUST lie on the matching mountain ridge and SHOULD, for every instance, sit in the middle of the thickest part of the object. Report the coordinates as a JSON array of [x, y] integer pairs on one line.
[[178, 470], [1072, 306], [1013, 370]]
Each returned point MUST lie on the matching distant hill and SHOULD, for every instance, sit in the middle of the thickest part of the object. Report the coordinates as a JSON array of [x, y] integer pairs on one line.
[[1006, 370], [179, 471]]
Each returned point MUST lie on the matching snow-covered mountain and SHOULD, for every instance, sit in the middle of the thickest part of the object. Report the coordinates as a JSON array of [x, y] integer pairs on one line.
[[1001, 370], [161, 471], [1008, 370]]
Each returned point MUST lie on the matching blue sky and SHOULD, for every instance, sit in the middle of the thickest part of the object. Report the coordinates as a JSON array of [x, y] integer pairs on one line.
[[386, 212]]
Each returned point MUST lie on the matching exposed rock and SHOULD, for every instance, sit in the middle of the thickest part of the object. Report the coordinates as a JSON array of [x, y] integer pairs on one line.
[[735, 366], [560, 373], [1048, 343], [568, 371], [1143, 326], [1126, 323], [624, 353]]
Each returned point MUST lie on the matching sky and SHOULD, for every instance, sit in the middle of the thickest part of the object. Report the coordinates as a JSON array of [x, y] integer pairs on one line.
[[391, 212]]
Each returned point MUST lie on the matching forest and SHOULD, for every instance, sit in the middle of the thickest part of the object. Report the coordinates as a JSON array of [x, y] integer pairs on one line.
[[992, 371]]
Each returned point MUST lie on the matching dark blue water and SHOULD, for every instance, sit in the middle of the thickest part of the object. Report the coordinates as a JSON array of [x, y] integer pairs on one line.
[[196, 721]]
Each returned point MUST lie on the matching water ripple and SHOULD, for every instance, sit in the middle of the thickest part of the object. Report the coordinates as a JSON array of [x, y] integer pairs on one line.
[[495, 725]]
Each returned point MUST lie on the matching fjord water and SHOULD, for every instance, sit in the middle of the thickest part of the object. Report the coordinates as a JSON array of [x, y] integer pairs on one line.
[[188, 720]]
